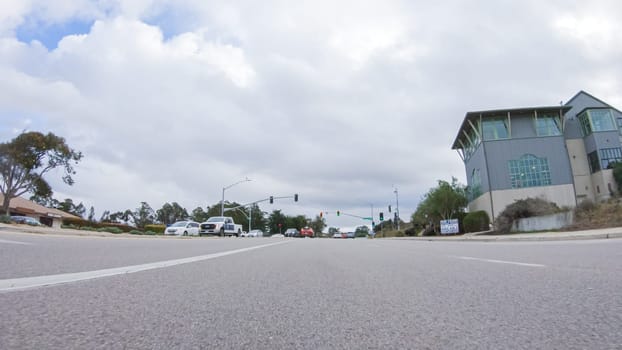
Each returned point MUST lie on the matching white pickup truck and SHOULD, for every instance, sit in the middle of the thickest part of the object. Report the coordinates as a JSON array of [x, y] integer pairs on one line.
[[220, 225]]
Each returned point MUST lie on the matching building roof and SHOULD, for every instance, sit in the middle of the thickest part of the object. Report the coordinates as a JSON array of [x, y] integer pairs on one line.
[[592, 97], [472, 116], [24, 206]]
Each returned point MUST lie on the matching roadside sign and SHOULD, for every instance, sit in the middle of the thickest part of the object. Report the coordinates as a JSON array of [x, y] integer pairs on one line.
[[449, 227]]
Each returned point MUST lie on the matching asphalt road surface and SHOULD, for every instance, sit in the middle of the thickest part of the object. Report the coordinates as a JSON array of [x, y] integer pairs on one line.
[[60, 292]]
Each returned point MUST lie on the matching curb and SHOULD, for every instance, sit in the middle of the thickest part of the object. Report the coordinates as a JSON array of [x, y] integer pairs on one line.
[[509, 238]]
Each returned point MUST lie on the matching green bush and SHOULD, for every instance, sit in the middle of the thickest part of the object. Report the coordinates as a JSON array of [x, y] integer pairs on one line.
[[5, 219], [136, 232], [476, 221], [110, 229], [158, 229], [411, 231], [151, 233], [88, 228], [524, 208]]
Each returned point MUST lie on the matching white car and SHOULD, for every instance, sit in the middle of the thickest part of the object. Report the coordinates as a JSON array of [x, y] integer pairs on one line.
[[183, 228], [255, 233]]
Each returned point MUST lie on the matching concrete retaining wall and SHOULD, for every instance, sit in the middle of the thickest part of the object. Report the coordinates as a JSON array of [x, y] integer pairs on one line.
[[542, 223]]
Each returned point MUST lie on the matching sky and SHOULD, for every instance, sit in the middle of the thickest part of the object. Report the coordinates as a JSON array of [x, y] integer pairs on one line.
[[341, 102]]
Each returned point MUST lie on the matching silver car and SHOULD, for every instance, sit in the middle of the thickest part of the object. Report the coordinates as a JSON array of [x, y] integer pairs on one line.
[[255, 233]]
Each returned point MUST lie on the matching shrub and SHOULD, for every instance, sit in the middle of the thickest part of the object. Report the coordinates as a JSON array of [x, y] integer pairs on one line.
[[5, 219], [88, 228], [136, 232], [78, 222], [151, 233], [476, 221], [411, 231], [523, 208], [110, 229], [158, 229]]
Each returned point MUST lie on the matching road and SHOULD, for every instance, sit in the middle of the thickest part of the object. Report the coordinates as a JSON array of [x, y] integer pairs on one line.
[[263, 293]]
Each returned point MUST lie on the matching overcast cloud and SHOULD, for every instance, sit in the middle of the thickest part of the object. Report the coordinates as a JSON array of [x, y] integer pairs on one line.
[[336, 101]]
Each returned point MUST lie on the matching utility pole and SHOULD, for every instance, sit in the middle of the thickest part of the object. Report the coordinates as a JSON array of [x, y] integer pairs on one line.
[[397, 209]]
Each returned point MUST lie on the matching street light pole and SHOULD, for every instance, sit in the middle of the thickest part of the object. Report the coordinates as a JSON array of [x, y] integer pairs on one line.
[[222, 201], [397, 209]]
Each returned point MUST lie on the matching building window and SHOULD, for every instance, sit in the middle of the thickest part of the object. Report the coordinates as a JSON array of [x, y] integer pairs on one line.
[[593, 120], [529, 171], [620, 125], [548, 125], [609, 156], [592, 159], [495, 128], [476, 185]]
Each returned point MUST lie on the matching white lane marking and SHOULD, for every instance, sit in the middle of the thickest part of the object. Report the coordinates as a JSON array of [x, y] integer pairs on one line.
[[16, 284], [499, 261], [13, 242]]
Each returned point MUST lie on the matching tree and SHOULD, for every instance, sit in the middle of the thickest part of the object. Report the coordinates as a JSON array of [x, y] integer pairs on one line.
[[318, 224], [199, 215], [105, 216], [91, 216], [617, 174], [68, 206], [258, 219], [362, 231], [170, 213], [441, 203], [143, 215], [27, 158], [276, 218], [296, 222]]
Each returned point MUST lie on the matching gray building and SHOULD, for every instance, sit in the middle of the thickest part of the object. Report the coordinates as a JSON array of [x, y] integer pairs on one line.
[[558, 153]]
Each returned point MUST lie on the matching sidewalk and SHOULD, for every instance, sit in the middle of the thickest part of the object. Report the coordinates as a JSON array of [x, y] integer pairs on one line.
[[604, 233], [62, 231]]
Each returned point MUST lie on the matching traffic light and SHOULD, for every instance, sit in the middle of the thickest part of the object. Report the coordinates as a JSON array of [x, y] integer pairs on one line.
[[296, 197], [338, 213], [381, 216], [271, 199], [321, 215], [389, 208]]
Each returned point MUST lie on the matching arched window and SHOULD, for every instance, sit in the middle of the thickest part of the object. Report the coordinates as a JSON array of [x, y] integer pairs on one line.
[[529, 171]]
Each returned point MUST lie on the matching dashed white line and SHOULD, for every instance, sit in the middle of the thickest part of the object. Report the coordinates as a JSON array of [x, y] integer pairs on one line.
[[499, 261], [16, 284]]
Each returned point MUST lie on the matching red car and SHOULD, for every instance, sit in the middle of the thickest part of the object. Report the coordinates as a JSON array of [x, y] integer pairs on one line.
[[306, 232]]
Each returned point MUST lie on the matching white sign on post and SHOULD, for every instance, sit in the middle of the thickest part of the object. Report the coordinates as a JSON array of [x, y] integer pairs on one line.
[[449, 227]]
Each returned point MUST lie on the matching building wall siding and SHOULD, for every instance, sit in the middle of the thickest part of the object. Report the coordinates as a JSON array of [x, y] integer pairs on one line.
[[498, 154]]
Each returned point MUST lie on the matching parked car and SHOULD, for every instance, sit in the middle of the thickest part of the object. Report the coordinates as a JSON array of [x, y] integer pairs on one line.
[[183, 228], [350, 235], [339, 235], [277, 235], [306, 232], [244, 234], [292, 232], [255, 233], [27, 220]]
